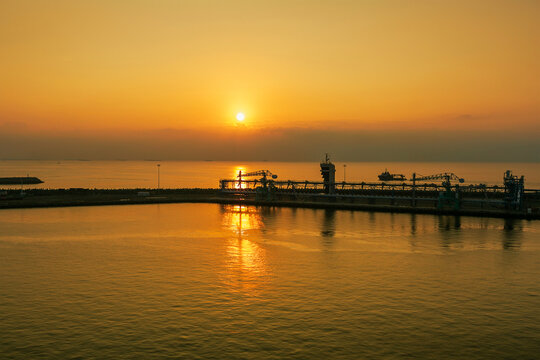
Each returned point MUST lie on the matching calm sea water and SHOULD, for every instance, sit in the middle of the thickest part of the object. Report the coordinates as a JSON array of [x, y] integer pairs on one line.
[[204, 281], [206, 174]]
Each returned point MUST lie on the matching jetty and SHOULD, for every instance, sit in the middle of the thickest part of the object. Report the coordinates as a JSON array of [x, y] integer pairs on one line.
[[441, 194], [20, 180]]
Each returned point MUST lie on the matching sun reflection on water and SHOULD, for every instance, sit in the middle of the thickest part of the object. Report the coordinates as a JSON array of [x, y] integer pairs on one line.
[[246, 267], [240, 219]]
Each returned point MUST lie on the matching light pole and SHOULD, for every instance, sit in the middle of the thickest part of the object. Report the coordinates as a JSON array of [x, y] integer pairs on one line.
[[344, 171], [158, 165]]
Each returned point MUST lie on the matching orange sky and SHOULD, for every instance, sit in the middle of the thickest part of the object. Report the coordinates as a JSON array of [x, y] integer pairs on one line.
[[128, 65]]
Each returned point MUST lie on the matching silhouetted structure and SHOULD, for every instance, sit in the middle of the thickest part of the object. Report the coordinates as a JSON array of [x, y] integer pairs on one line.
[[418, 195], [22, 180], [328, 172]]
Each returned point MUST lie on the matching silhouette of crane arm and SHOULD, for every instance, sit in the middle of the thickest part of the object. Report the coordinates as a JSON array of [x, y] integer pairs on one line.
[[264, 173], [441, 176]]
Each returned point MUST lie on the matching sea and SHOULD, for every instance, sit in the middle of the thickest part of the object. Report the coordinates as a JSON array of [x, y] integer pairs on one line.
[[214, 281], [206, 174]]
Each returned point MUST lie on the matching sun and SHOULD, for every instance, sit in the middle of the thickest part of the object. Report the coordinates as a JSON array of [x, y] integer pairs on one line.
[[240, 116]]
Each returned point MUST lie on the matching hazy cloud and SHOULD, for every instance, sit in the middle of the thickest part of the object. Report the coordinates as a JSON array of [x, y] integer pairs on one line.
[[276, 144]]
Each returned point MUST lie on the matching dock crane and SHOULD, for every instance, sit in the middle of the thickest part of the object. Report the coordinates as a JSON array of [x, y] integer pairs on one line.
[[264, 173], [267, 188], [448, 196], [447, 177]]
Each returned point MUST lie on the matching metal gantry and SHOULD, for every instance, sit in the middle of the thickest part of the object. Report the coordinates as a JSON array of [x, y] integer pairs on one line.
[[419, 188]]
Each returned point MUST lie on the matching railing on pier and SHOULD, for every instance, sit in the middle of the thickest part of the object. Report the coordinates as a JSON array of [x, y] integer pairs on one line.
[[473, 196], [239, 186]]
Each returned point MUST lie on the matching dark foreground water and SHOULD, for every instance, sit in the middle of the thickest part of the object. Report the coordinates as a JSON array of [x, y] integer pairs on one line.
[[207, 281]]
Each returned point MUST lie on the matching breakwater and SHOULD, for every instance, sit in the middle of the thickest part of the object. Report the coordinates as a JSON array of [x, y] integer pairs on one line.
[[371, 200], [20, 180]]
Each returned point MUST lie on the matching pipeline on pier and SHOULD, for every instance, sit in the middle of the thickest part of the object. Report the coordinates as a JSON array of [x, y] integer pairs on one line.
[[512, 196]]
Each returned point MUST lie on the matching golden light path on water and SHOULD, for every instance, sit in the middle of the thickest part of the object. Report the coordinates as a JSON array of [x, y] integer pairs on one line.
[[246, 268]]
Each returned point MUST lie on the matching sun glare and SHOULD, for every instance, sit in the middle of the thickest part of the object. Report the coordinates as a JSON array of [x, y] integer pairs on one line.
[[240, 116]]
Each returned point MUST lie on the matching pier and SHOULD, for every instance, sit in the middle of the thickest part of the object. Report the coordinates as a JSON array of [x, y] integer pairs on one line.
[[419, 194], [443, 193], [20, 180], [36, 198]]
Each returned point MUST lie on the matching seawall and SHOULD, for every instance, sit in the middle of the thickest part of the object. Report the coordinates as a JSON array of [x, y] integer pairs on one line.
[[38, 198]]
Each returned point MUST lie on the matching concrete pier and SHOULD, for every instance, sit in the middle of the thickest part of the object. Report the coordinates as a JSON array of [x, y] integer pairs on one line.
[[372, 201]]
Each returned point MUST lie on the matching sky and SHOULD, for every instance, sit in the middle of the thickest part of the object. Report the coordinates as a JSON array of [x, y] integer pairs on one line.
[[364, 80]]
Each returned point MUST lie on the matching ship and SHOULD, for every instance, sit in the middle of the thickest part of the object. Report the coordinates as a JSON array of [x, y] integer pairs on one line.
[[22, 180], [386, 176]]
